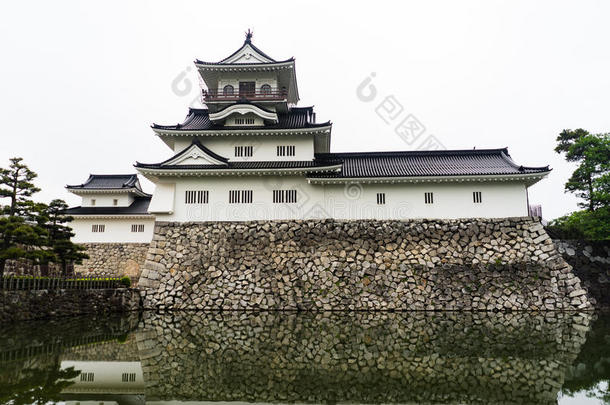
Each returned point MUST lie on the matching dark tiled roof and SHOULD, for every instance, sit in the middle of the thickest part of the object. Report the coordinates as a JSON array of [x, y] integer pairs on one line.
[[198, 119], [426, 163], [108, 181], [138, 207], [246, 165]]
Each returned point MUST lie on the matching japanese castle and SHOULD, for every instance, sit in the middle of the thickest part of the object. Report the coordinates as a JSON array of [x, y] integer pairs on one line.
[[253, 154]]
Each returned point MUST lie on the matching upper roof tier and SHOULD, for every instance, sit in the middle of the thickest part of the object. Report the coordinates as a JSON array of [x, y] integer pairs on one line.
[[199, 120], [249, 64], [111, 183]]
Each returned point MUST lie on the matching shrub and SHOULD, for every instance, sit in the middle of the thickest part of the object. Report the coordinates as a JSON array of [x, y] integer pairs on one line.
[[125, 281], [591, 225]]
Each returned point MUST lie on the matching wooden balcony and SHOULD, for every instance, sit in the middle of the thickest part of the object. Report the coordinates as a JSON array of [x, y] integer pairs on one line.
[[268, 94]]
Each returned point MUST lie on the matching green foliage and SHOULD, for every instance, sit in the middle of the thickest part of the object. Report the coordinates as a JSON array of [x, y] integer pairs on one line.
[[37, 386], [591, 179], [31, 230], [16, 184], [590, 182], [590, 225], [126, 281]]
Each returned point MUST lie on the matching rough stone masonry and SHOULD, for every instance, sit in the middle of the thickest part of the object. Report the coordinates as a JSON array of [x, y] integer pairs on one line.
[[476, 264]]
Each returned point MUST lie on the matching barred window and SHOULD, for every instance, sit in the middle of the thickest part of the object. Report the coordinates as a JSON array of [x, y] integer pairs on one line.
[[196, 196], [98, 228], [137, 228], [87, 377], [477, 197], [284, 196], [244, 121], [380, 198], [286, 150], [429, 198], [240, 196], [128, 377], [243, 151]]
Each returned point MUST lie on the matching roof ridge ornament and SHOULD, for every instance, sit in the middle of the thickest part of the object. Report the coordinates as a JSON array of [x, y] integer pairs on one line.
[[249, 34]]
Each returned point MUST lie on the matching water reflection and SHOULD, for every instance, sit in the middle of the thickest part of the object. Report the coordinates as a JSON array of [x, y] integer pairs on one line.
[[304, 357]]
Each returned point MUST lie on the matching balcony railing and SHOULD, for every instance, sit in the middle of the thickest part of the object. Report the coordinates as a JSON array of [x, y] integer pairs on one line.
[[269, 94]]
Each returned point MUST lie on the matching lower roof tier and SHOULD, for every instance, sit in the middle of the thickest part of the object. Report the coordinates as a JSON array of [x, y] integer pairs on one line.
[[138, 207], [442, 163]]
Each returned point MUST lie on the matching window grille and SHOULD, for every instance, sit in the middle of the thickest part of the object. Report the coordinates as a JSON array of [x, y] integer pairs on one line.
[[284, 196], [196, 197], [240, 196]]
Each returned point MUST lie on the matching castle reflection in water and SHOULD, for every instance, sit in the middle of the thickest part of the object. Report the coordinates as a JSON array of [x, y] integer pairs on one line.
[[440, 358]]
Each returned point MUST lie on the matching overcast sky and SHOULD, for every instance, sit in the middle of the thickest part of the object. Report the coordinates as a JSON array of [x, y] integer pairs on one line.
[[81, 82]]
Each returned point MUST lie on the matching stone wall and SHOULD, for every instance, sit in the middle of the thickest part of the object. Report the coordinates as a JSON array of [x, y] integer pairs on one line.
[[477, 264], [22, 267], [43, 304], [113, 259], [359, 357], [591, 263]]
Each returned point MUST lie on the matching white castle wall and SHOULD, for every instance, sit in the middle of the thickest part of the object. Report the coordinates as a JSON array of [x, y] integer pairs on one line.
[[106, 200], [116, 230], [264, 147], [351, 201]]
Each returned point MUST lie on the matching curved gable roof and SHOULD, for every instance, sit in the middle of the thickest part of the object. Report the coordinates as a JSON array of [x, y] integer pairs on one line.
[[198, 119]]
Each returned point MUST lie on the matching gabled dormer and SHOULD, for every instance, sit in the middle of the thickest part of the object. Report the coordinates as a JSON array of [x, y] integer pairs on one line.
[[109, 190], [249, 74], [244, 115], [198, 155]]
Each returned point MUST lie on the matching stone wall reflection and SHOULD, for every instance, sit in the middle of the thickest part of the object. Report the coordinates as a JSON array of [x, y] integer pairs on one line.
[[446, 357]]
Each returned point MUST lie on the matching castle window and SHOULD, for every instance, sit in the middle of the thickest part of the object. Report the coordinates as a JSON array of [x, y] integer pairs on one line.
[[247, 88], [380, 198], [284, 196], [115, 202], [477, 198], [128, 377], [243, 151], [196, 196], [266, 90], [240, 196], [228, 90], [286, 150], [137, 228], [244, 121], [429, 198], [87, 377], [98, 228], [92, 201]]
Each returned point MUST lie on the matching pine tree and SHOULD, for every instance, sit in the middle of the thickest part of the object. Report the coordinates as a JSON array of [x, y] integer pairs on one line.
[[16, 184], [590, 180], [60, 233]]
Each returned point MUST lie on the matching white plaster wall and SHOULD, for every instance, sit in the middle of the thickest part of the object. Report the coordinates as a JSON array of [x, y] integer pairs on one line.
[[107, 200], [264, 147], [116, 231], [106, 375], [163, 198], [352, 201]]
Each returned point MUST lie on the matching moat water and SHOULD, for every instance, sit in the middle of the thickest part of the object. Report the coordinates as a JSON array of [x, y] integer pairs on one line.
[[414, 358]]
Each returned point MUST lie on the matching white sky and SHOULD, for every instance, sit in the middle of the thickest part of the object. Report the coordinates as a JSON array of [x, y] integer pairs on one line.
[[81, 82]]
